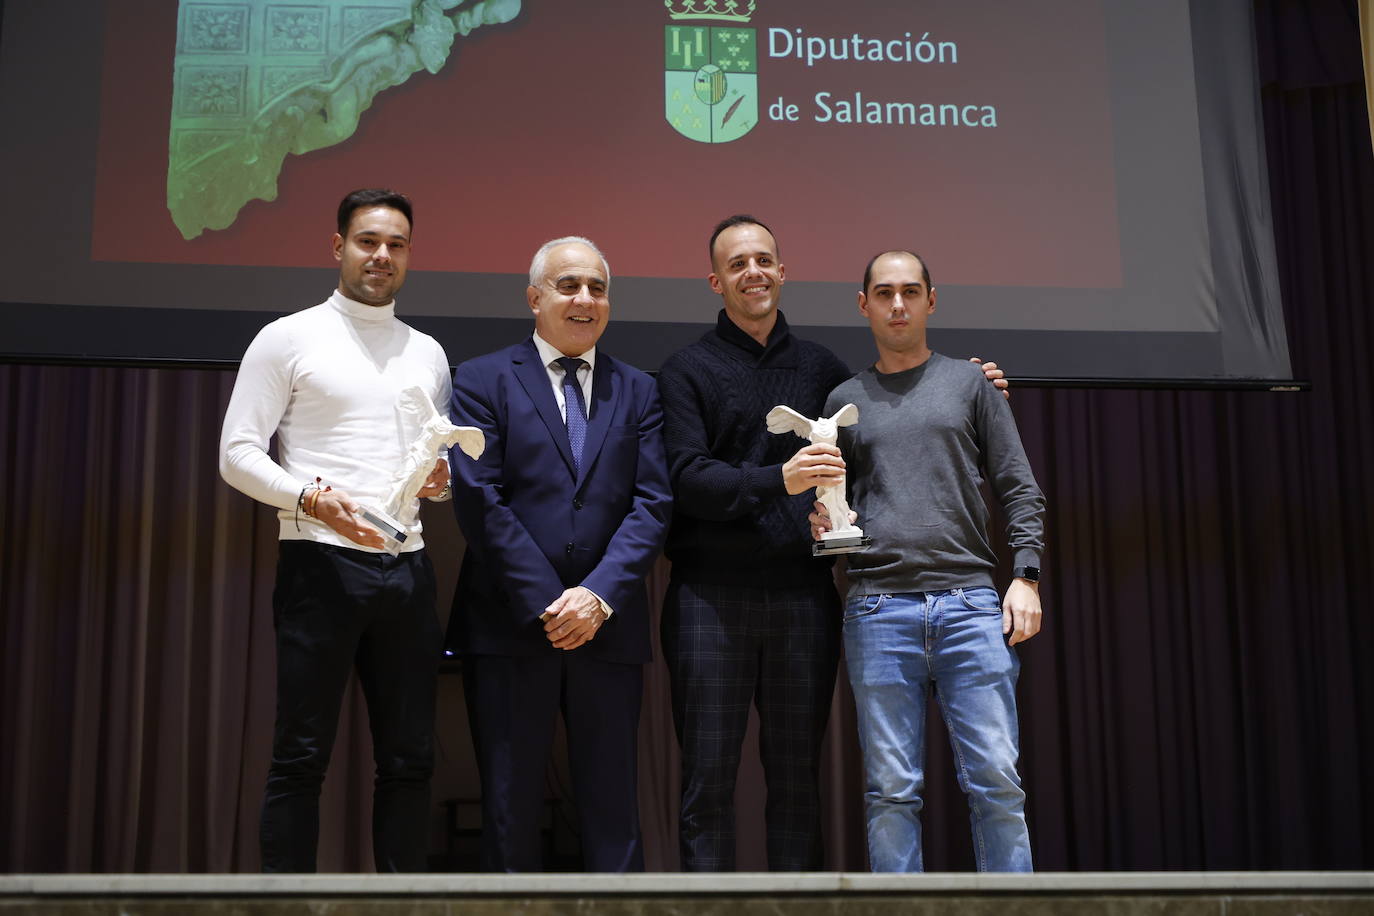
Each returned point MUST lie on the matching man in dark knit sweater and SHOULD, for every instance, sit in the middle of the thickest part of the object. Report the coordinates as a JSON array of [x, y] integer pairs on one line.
[[750, 616]]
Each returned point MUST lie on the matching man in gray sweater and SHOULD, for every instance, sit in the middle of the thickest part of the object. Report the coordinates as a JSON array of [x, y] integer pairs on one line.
[[922, 611]]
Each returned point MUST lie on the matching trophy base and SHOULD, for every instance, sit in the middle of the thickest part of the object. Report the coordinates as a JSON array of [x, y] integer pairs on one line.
[[835, 546], [393, 533]]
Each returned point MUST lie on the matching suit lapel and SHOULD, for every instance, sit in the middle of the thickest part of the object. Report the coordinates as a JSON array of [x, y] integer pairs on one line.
[[534, 378], [605, 392]]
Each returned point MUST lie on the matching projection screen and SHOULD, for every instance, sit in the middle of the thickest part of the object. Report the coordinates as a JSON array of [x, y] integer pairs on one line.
[[1085, 178]]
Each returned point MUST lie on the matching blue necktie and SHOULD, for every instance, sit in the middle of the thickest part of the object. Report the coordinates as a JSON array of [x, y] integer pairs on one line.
[[574, 408]]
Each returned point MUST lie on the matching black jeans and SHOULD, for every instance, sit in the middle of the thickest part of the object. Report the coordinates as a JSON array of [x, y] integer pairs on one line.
[[335, 608]]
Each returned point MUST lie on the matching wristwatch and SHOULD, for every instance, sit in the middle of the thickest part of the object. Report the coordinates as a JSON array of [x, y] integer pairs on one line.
[[1029, 573]]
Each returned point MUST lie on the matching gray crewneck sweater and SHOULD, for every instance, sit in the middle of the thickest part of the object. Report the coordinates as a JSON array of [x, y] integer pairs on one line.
[[926, 439]]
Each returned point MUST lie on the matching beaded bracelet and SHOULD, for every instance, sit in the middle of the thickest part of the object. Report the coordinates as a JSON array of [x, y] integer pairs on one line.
[[306, 504]]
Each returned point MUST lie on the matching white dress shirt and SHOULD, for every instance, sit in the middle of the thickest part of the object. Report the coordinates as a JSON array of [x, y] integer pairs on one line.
[[550, 356]]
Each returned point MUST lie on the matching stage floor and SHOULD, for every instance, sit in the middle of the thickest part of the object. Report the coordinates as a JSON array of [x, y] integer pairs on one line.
[[1212, 893]]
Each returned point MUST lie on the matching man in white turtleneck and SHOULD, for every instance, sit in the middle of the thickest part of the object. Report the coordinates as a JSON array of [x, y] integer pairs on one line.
[[326, 381]]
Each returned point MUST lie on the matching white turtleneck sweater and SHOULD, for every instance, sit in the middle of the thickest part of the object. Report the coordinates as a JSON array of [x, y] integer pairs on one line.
[[327, 381]]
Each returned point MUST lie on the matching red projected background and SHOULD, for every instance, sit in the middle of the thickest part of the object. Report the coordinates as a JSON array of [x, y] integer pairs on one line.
[[554, 124]]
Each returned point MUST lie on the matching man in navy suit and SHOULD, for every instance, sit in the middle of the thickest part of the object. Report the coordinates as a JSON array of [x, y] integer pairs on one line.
[[564, 515]]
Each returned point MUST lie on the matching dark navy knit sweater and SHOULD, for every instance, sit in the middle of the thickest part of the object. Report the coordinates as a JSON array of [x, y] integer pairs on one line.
[[733, 522]]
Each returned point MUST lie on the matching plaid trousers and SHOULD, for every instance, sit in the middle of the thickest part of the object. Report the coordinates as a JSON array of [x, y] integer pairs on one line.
[[727, 646]]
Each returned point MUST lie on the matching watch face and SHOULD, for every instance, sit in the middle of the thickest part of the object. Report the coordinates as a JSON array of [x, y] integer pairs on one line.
[[1029, 573]]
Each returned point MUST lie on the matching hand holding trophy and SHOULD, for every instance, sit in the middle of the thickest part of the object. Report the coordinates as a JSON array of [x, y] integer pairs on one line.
[[845, 536], [402, 508]]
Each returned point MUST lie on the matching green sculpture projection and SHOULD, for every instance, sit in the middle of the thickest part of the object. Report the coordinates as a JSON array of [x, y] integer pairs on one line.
[[255, 80]]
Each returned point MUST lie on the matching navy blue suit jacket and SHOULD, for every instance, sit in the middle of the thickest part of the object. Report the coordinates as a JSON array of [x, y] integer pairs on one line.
[[534, 526]]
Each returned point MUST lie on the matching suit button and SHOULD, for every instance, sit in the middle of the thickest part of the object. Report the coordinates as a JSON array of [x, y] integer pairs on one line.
[[568, 548], [577, 504]]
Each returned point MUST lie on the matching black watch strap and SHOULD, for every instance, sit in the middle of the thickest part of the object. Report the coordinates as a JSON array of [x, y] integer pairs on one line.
[[1029, 573]]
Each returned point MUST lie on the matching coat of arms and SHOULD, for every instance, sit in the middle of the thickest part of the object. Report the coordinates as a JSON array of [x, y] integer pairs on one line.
[[710, 79]]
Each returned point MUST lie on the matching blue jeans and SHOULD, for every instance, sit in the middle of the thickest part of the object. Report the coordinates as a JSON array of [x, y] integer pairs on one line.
[[897, 648]]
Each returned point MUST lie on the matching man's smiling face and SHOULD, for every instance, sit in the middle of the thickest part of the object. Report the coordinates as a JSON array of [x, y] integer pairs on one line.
[[746, 273], [572, 302], [373, 257]]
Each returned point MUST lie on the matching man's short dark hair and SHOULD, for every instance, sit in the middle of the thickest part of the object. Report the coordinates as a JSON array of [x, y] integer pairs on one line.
[[868, 271], [372, 197], [739, 219]]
